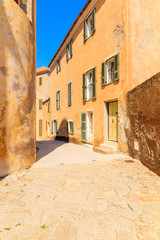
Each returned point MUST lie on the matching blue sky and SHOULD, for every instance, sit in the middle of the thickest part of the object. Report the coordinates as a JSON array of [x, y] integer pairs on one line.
[[54, 19]]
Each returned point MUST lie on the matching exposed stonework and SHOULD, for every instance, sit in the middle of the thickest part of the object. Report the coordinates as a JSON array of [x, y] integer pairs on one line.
[[143, 106], [123, 126], [17, 92]]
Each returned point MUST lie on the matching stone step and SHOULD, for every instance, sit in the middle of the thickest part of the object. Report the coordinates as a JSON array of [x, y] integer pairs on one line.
[[105, 149]]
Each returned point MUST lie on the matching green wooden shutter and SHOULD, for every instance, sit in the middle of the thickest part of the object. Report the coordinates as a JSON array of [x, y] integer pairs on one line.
[[59, 99], [52, 126], [56, 126], [71, 47], [94, 82], [104, 73], [69, 94], [56, 100], [67, 53], [59, 63], [93, 20], [57, 66], [116, 67], [67, 127], [84, 87], [83, 127], [72, 127], [85, 30]]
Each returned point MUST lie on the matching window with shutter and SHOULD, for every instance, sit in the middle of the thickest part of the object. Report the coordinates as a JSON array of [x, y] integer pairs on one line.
[[40, 103], [70, 94], [40, 127], [83, 127], [58, 100], [89, 85], [40, 81], [84, 87], [89, 25], [69, 50], [116, 67], [110, 70], [70, 127], [59, 64]]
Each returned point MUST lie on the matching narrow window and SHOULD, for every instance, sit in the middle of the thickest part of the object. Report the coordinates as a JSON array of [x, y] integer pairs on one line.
[[54, 126], [70, 127], [69, 51], [48, 107], [89, 25], [59, 64], [89, 85], [110, 70], [40, 81], [58, 99], [70, 94], [40, 127], [40, 103]]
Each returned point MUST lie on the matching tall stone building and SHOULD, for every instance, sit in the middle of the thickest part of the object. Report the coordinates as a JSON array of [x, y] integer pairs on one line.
[[17, 84]]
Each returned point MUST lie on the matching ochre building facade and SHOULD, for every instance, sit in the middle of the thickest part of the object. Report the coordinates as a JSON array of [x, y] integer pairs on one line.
[[17, 81], [112, 47], [43, 103]]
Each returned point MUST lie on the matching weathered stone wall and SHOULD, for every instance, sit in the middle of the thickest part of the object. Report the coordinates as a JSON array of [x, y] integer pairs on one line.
[[17, 88], [143, 107]]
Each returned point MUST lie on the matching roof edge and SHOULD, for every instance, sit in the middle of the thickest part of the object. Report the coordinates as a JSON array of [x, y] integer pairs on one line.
[[73, 25]]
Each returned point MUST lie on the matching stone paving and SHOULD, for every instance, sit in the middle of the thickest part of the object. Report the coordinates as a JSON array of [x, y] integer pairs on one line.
[[73, 193]]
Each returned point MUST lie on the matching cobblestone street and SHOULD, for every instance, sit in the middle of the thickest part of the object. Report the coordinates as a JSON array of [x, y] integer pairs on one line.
[[73, 193]]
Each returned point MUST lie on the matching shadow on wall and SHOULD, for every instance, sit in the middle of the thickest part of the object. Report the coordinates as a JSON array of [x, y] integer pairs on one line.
[[143, 108], [62, 133], [15, 106]]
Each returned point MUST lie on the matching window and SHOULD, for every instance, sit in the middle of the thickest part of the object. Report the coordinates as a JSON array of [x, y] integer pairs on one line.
[[54, 126], [46, 126], [89, 85], [40, 127], [59, 64], [69, 51], [70, 94], [110, 70], [58, 99], [40, 81], [48, 107], [89, 25], [70, 127], [40, 103]]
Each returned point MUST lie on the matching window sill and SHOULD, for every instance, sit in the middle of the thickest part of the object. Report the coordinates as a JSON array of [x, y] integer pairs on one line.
[[106, 84], [87, 100], [89, 36]]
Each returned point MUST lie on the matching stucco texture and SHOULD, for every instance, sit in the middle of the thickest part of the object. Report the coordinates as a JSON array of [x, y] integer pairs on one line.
[[17, 92], [143, 105]]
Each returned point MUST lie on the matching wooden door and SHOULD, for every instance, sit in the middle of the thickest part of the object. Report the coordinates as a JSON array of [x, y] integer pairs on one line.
[[113, 121]]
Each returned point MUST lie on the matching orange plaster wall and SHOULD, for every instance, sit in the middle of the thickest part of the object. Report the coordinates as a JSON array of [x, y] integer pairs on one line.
[[86, 55]]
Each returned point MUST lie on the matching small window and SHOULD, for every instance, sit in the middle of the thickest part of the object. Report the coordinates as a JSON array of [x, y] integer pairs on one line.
[[54, 126], [40, 127], [69, 51], [59, 64], [89, 25], [40, 81], [46, 125], [70, 94], [110, 70], [58, 99], [48, 107], [89, 84], [40, 103], [70, 127]]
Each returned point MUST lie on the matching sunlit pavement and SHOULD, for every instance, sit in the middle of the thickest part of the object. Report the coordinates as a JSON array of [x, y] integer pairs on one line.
[[73, 193]]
